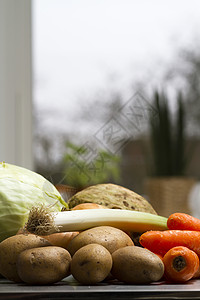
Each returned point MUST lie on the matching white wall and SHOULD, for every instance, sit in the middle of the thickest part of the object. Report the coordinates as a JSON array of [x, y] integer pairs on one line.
[[15, 83]]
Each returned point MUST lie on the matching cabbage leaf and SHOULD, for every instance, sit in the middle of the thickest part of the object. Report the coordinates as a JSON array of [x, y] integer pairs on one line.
[[20, 190]]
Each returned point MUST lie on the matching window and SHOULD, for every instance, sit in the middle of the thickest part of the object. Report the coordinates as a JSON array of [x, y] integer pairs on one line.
[[15, 83]]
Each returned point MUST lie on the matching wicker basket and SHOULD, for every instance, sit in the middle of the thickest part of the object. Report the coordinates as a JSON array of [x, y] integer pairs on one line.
[[169, 194]]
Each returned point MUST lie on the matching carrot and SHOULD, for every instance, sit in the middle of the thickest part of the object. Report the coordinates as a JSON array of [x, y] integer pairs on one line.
[[162, 241], [181, 264], [182, 221], [88, 206], [197, 274]]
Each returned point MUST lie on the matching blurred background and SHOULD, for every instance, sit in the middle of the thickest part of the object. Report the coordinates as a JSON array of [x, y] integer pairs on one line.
[[104, 91]]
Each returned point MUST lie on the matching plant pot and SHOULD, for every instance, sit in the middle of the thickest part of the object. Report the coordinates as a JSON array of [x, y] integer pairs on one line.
[[168, 195]]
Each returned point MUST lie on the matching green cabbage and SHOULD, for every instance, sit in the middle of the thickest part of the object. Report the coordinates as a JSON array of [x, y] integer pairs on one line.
[[20, 190]]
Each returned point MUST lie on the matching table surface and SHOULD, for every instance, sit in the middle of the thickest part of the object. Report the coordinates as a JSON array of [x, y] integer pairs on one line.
[[70, 289]]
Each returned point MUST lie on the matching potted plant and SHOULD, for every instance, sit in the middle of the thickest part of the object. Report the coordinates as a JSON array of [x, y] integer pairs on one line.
[[84, 167], [168, 185]]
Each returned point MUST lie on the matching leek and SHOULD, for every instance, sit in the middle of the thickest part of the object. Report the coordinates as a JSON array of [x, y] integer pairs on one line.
[[41, 221]]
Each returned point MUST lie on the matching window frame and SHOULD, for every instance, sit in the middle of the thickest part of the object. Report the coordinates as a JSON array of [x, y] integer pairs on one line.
[[16, 145]]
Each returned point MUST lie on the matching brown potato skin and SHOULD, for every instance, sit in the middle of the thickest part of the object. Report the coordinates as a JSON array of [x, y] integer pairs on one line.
[[91, 264], [11, 247], [136, 265], [43, 265], [110, 237]]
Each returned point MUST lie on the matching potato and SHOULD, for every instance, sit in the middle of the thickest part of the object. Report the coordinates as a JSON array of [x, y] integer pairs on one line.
[[110, 237], [136, 265], [91, 264], [11, 247], [43, 265]]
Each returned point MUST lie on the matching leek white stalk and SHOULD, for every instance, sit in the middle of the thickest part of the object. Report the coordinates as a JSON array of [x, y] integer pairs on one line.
[[44, 222]]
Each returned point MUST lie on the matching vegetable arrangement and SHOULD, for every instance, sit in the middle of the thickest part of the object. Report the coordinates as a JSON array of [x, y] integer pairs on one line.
[[89, 241], [101, 253]]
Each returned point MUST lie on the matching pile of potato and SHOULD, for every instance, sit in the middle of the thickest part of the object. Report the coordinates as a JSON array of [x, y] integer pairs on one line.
[[92, 256]]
